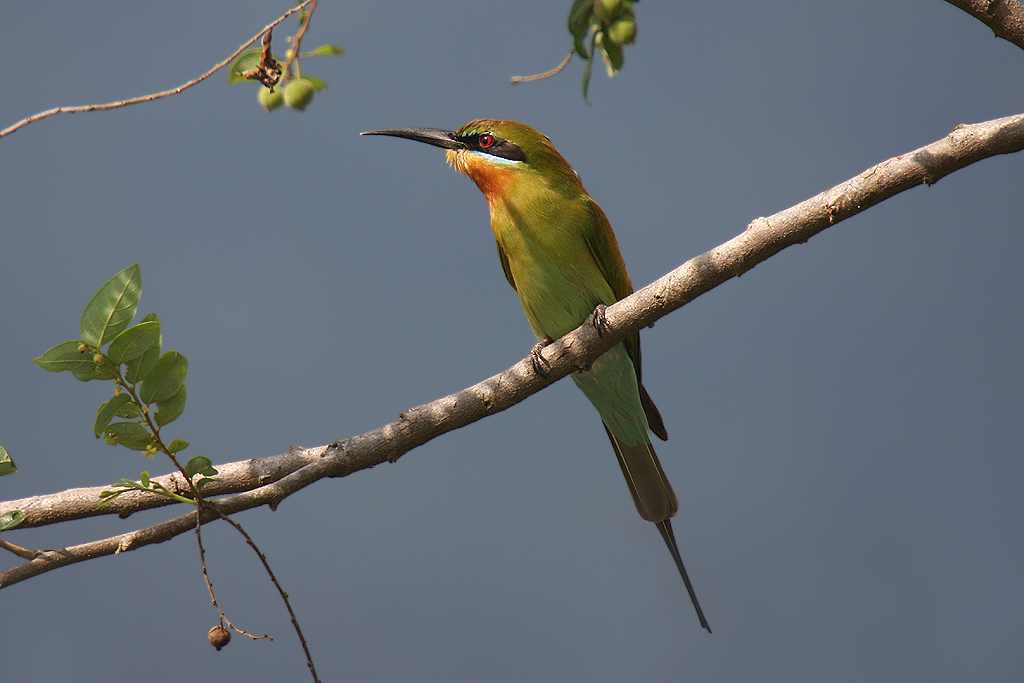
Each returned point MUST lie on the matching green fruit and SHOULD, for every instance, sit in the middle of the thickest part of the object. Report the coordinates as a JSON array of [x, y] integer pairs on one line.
[[623, 31], [299, 93], [271, 100], [606, 10]]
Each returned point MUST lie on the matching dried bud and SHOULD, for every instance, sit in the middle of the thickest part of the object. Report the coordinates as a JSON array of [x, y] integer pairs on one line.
[[219, 637]]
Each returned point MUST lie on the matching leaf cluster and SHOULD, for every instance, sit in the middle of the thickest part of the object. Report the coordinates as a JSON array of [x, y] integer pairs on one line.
[[264, 66], [149, 386], [609, 24], [197, 465]]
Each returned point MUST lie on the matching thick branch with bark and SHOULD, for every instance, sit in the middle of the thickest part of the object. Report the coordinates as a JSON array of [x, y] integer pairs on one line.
[[268, 481], [1004, 17]]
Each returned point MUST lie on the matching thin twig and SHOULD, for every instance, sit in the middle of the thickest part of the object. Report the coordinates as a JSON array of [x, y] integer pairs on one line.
[[297, 40], [23, 553], [149, 98], [266, 565], [202, 504], [546, 74], [209, 584]]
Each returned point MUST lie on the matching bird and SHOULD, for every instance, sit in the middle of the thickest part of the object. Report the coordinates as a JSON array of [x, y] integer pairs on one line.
[[559, 253]]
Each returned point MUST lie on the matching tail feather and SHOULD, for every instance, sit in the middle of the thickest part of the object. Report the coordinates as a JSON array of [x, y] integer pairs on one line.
[[654, 499], [665, 527], [647, 482], [654, 421]]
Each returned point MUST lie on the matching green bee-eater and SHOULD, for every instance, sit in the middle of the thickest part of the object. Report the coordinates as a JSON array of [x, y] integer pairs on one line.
[[560, 255]]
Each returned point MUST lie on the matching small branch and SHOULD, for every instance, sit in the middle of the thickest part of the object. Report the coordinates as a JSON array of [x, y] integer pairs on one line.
[[273, 578], [763, 238], [297, 40], [209, 586], [546, 74], [149, 98], [234, 478], [23, 553], [1004, 17]]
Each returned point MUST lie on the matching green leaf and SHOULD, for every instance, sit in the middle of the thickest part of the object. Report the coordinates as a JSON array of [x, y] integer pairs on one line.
[[587, 71], [129, 411], [177, 446], [165, 379], [107, 496], [137, 368], [11, 519], [144, 478], [326, 50], [7, 465], [199, 465], [247, 60], [611, 52], [106, 413], [317, 83], [101, 371], [579, 24], [133, 342], [170, 409], [204, 481], [128, 434], [66, 356], [113, 307]]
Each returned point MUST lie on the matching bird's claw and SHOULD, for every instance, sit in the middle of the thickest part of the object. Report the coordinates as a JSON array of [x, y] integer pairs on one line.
[[599, 321], [537, 359]]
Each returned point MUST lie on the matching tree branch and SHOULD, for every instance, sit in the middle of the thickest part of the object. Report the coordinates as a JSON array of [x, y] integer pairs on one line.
[[1004, 17], [155, 96], [268, 481], [297, 40], [235, 477]]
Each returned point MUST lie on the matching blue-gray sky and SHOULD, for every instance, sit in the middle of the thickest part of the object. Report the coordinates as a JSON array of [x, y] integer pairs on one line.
[[845, 420]]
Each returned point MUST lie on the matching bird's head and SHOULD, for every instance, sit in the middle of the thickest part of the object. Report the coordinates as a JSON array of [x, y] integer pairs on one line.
[[496, 154]]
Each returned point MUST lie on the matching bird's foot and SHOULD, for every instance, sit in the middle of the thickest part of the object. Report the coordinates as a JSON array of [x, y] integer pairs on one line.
[[540, 364], [599, 321]]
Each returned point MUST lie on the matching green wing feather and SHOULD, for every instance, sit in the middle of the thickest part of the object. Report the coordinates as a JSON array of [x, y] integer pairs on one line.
[[604, 249], [505, 267]]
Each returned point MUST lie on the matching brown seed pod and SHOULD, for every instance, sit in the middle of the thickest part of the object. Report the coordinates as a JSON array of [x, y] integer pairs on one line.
[[219, 637]]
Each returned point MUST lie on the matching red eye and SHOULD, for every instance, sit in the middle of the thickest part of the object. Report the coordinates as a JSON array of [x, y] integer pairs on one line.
[[485, 141]]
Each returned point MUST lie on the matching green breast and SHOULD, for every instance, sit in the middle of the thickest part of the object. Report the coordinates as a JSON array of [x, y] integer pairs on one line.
[[549, 261]]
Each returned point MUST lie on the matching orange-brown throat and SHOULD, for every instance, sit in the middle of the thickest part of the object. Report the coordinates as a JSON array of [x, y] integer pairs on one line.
[[493, 179]]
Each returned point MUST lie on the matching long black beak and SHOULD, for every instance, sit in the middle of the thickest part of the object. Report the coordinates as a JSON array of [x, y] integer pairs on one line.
[[431, 136]]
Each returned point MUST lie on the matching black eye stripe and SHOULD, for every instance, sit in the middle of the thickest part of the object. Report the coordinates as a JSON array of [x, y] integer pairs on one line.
[[488, 143]]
